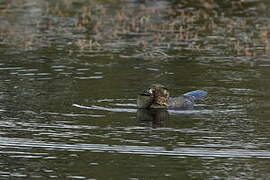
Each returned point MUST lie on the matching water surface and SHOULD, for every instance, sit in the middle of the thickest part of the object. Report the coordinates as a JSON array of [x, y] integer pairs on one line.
[[70, 77]]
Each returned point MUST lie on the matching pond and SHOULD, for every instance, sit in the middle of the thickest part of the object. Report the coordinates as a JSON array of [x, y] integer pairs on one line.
[[71, 71]]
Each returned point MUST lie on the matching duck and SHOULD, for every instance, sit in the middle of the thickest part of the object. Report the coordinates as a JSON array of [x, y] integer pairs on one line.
[[158, 96]]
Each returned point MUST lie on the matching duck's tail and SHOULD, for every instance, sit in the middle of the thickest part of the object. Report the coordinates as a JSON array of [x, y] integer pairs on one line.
[[197, 94]]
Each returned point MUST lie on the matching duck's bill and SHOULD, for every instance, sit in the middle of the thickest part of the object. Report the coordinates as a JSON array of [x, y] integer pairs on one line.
[[147, 92]]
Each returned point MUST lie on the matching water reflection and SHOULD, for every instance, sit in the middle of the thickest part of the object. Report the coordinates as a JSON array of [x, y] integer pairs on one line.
[[154, 28], [156, 117]]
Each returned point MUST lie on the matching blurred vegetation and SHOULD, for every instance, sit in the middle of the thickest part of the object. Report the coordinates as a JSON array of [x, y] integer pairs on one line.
[[138, 28]]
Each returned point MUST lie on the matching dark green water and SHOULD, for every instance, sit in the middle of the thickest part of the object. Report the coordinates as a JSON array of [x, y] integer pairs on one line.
[[68, 108]]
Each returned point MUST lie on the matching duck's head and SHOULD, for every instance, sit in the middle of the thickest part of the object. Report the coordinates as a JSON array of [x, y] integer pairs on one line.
[[145, 99], [161, 94], [156, 95]]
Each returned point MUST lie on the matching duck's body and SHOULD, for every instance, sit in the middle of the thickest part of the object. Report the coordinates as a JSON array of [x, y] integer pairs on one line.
[[187, 100], [158, 97]]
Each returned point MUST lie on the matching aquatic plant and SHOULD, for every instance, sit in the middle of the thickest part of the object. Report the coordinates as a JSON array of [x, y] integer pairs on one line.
[[178, 27]]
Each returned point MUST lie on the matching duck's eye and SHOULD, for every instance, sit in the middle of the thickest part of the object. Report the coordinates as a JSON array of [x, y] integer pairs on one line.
[[147, 92]]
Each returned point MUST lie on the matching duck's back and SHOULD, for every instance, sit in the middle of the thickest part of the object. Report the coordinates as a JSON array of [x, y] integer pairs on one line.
[[181, 102], [187, 100]]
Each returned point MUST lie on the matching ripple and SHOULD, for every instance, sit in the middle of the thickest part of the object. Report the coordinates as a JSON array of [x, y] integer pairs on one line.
[[172, 112], [77, 177], [140, 150], [125, 104], [10, 68], [105, 109], [90, 77], [74, 115]]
